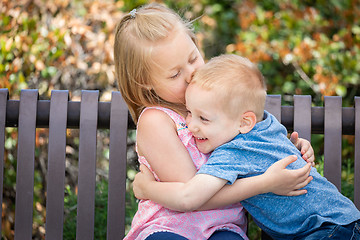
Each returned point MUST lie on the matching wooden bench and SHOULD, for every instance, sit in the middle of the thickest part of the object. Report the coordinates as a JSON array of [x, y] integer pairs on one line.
[[90, 114]]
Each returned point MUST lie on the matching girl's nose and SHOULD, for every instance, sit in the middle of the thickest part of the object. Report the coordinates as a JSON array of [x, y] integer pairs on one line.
[[190, 73]]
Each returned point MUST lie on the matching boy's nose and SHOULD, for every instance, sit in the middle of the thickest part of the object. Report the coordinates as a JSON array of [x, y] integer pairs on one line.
[[192, 127]]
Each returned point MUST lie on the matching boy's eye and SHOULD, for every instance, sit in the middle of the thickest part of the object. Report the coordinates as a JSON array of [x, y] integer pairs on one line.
[[203, 119]]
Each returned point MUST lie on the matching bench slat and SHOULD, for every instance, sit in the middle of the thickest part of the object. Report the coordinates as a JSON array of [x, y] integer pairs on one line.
[[117, 168], [25, 164], [302, 116], [273, 105], [56, 165], [333, 139], [357, 154], [4, 93], [87, 165]]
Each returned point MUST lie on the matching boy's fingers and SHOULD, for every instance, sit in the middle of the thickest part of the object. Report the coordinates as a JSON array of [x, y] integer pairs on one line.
[[307, 153], [304, 151], [294, 137], [311, 159]]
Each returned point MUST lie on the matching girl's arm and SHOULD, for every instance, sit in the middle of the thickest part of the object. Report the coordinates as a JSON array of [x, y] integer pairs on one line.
[[158, 142], [187, 196], [196, 193], [277, 179], [177, 196]]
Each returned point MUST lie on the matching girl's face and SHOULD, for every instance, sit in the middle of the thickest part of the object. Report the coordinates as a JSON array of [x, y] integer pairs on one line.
[[176, 58]]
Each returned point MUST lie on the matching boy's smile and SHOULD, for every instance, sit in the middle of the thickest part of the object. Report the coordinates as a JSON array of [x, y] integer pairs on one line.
[[206, 119]]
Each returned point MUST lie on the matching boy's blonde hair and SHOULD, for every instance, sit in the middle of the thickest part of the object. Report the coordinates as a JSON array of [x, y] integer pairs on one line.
[[135, 36], [237, 81]]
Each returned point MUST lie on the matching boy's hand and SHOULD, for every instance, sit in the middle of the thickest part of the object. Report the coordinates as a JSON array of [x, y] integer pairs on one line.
[[288, 182], [141, 180], [304, 147]]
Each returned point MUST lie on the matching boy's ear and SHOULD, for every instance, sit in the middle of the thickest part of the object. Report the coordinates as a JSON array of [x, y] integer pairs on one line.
[[247, 122]]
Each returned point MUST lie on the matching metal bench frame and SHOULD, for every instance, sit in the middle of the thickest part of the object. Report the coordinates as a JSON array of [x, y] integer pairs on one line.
[[90, 114]]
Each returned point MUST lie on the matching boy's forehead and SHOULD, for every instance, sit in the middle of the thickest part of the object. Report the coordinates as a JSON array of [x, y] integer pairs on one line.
[[194, 90], [196, 94], [191, 91]]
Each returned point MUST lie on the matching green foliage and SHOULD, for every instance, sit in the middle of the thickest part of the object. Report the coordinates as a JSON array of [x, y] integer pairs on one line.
[[28, 49], [254, 232], [101, 197], [47, 44], [302, 47], [131, 205], [70, 205], [131, 4]]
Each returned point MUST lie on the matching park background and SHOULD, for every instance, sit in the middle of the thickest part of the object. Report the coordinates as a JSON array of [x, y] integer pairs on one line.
[[309, 47]]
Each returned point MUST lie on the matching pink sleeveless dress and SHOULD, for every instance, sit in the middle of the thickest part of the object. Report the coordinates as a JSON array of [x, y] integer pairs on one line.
[[152, 217]]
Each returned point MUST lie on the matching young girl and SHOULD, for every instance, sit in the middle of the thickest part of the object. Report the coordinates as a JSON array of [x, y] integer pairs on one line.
[[155, 56]]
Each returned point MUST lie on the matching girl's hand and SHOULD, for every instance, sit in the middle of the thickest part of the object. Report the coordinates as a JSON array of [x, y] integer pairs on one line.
[[287, 182], [141, 180], [304, 147]]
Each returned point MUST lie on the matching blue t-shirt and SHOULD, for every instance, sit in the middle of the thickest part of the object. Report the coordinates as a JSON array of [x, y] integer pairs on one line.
[[281, 217]]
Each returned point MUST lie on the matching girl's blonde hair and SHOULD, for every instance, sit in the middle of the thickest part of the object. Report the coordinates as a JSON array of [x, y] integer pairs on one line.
[[136, 34], [237, 81]]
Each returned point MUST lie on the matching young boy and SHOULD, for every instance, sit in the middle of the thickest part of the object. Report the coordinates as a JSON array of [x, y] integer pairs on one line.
[[226, 115]]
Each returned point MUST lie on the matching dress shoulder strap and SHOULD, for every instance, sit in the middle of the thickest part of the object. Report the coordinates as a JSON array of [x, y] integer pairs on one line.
[[177, 118]]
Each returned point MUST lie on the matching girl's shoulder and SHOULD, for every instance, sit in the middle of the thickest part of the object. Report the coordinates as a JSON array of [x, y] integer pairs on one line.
[[160, 115], [154, 120]]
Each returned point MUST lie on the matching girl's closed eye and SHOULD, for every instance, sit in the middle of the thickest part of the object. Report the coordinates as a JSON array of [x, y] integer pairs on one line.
[[175, 75], [193, 60]]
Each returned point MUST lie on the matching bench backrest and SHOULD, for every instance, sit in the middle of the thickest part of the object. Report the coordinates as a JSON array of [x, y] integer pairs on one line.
[[58, 114], [90, 114]]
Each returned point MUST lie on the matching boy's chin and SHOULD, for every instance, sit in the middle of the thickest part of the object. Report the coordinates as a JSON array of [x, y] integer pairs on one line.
[[204, 146], [205, 151]]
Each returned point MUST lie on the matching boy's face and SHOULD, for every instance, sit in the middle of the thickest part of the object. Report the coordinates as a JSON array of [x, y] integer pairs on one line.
[[206, 119]]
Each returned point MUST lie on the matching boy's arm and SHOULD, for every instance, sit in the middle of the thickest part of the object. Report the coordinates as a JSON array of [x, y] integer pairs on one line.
[[304, 146], [177, 196]]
